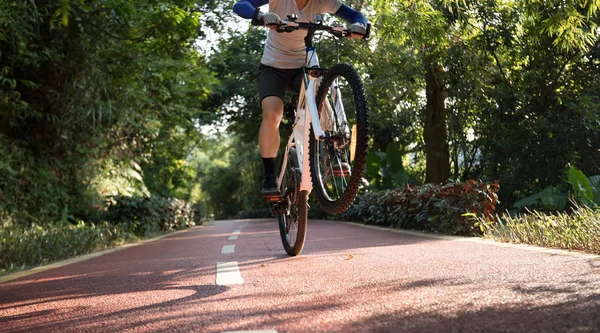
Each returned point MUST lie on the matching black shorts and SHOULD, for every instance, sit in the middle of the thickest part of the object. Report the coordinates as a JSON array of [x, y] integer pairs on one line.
[[274, 81]]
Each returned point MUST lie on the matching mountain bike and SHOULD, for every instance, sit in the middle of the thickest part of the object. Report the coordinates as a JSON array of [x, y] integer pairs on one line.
[[327, 148]]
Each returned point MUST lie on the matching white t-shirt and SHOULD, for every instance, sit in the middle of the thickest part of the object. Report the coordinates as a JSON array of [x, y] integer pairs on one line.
[[287, 50]]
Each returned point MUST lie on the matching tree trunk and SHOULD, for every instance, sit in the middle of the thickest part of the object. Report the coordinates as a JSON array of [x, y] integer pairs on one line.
[[435, 135]]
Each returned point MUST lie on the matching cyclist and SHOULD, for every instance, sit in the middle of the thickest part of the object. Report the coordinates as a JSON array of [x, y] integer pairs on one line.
[[280, 67]]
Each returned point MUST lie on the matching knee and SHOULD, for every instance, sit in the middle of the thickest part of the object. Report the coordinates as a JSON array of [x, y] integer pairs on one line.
[[272, 111], [272, 117]]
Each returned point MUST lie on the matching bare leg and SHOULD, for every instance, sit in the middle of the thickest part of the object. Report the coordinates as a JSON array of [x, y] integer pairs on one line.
[[268, 135]]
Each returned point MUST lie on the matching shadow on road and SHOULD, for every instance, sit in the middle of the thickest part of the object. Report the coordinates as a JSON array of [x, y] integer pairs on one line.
[[124, 287], [580, 315]]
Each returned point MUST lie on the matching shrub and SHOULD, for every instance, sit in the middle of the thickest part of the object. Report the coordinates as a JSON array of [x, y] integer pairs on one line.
[[39, 244], [130, 218], [451, 208], [198, 214], [147, 215], [41, 195]]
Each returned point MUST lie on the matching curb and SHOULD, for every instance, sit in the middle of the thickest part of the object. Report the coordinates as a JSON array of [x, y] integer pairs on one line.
[[478, 240], [84, 257]]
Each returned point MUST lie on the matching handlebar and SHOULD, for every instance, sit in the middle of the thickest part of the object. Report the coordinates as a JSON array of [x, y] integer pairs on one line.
[[340, 32]]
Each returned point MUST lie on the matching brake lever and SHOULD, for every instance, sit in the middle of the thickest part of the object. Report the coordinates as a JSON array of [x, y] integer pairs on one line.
[[340, 32], [276, 26]]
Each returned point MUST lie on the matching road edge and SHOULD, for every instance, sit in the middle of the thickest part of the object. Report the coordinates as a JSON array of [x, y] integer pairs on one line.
[[84, 257], [479, 240]]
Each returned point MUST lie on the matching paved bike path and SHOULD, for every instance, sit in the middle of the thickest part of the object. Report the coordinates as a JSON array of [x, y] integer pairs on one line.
[[348, 279]]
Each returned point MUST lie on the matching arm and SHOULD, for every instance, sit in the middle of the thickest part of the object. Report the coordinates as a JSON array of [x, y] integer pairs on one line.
[[351, 16], [247, 8]]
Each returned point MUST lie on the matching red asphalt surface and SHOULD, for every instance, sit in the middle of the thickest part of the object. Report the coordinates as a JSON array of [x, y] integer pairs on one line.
[[392, 282]]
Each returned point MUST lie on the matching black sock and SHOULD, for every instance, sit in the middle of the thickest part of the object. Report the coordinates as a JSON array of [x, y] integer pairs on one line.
[[269, 164]]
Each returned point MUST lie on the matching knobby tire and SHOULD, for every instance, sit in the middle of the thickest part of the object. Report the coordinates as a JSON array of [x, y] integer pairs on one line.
[[302, 205], [341, 204]]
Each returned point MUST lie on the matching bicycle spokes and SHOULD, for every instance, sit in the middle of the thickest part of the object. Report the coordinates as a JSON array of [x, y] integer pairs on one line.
[[335, 150]]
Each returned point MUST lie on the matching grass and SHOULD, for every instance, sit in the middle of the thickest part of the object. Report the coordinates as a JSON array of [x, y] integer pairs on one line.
[[578, 230]]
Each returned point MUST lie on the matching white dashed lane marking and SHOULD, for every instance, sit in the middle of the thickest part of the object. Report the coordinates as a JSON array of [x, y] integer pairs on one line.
[[233, 237], [228, 249], [228, 273], [237, 231]]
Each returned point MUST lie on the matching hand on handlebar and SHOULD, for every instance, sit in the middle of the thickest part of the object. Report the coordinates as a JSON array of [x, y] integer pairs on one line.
[[357, 30], [269, 19]]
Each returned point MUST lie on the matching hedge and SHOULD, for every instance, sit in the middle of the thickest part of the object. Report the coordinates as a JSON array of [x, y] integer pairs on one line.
[[147, 215], [125, 219], [20, 247], [452, 208]]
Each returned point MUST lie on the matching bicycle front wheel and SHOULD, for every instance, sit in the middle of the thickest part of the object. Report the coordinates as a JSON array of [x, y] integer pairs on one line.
[[337, 162]]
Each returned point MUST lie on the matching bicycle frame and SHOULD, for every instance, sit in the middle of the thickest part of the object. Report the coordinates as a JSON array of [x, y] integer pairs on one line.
[[301, 129]]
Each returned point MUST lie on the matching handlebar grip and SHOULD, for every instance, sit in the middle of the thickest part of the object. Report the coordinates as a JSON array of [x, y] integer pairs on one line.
[[368, 33], [337, 34]]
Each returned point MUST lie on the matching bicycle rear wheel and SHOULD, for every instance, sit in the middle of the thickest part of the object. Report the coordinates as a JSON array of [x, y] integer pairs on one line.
[[337, 162], [292, 211]]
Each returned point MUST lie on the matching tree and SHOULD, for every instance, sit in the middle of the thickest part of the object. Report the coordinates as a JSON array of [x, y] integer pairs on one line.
[[427, 26], [88, 86]]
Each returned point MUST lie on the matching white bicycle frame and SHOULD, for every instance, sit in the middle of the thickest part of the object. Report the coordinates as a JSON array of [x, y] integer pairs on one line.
[[301, 129]]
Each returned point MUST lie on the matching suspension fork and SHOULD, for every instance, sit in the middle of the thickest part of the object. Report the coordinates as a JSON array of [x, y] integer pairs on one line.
[[336, 95]]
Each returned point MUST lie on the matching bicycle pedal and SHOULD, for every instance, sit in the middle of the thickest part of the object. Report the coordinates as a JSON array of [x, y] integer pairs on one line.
[[340, 173], [273, 199]]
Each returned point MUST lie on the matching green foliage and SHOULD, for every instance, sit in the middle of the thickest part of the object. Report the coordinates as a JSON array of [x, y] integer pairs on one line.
[[38, 190], [583, 190], [521, 96], [88, 89], [578, 230], [199, 213], [386, 169], [451, 208], [229, 171], [120, 179], [581, 185], [550, 199], [109, 98], [129, 218], [567, 23], [148, 215], [595, 184], [38, 244], [236, 64]]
